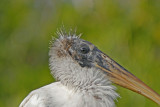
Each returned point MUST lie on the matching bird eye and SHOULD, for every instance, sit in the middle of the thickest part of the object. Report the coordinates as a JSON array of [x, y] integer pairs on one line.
[[84, 49]]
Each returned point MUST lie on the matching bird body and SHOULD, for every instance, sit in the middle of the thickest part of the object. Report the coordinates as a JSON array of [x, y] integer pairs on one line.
[[84, 77], [58, 95], [79, 87]]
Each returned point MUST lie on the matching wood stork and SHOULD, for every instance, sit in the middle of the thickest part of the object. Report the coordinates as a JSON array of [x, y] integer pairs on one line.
[[84, 77]]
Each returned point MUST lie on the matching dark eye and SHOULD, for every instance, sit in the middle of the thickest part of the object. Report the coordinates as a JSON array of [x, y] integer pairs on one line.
[[84, 49]]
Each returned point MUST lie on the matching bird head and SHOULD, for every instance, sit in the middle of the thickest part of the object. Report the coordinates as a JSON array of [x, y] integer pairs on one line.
[[85, 55]]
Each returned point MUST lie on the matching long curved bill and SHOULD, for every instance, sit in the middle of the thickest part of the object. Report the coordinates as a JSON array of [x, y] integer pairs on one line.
[[120, 76]]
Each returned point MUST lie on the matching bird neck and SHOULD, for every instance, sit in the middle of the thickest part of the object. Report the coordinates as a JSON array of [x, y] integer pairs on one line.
[[90, 81], [71, 74]]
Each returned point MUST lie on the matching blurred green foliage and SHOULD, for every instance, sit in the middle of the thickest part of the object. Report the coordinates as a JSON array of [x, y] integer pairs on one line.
[[127, 30]]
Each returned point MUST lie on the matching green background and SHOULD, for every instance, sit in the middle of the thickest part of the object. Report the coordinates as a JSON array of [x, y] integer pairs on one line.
[[126, 30]]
